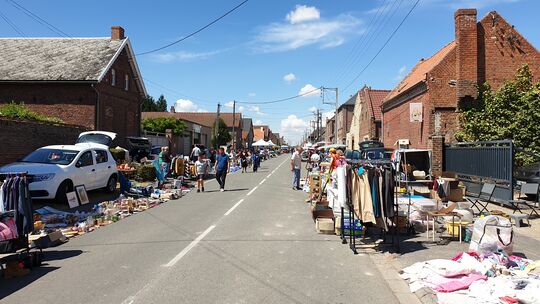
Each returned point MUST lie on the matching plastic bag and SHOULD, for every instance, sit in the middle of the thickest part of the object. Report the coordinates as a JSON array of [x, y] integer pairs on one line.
[[492, 233]]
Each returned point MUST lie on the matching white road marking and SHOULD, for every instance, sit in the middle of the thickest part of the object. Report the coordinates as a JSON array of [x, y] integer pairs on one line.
[[189, 247], [262, 182], [233, 207], [249, 193]]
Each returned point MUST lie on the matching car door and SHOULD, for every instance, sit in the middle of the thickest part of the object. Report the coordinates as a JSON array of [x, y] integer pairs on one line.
[[103, 167], [85, 171]]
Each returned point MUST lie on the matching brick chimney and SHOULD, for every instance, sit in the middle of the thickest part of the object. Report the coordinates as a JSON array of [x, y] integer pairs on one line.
[[466, 54], [117, 33]]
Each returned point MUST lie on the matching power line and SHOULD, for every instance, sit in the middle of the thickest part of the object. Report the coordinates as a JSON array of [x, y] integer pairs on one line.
[[12, 25], [37, 18], [197, 31], [279, 100], [384, 45]]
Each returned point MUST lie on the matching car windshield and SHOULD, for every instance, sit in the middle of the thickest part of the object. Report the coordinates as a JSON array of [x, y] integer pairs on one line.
[[51, 156]]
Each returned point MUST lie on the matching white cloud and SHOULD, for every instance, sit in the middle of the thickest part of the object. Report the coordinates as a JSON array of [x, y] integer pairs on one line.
[[309, 90], [229, 104], [312, 109], [241, 109], [184, 56], [252, 94], [292, 128], [185, 105], [257, 110], [327, 115], [401, 73], [306, 28], [289, 77], [258, 122], [303, 13]]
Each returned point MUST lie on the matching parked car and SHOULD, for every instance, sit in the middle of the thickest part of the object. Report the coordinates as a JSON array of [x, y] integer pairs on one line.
[[138, 147], [154, 152], [352, 155], [56, 170], [528, 173]]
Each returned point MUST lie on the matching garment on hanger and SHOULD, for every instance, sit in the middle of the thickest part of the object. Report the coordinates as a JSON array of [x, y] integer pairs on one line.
[[341, 173], [366, 204]]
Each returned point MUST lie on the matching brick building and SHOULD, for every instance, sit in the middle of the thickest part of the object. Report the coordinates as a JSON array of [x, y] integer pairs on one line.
[[329, 128], [344, 117], [91, 82], [424, 107], [247, 132], [367, 118], [261, 132]]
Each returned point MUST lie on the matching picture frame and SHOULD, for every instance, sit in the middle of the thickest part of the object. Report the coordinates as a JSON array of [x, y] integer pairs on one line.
[[72, 199], [81, 193]]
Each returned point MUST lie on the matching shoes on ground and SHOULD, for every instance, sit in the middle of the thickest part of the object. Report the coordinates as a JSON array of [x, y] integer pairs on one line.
[[202, 189], [221, 189], [198, 190]]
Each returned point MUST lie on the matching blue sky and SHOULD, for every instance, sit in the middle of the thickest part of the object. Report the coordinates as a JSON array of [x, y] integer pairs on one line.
[[268, 50]]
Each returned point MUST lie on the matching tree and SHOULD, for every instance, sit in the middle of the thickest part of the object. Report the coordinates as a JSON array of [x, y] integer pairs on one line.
[[161, 104], [223, 135], [511, 112], [161, 124], [151, 105]]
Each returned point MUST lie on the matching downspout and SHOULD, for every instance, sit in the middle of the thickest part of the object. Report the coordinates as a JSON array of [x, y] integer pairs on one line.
[[98, 108]]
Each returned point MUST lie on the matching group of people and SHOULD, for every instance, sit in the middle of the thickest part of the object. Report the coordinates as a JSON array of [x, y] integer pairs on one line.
[[336, 158]]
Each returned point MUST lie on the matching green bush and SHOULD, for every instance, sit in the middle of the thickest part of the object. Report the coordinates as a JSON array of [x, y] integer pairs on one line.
[[20, 111], [147, 173], [118, 154]]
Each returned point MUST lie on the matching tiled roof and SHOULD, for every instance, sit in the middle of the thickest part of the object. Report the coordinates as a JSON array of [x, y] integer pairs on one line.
[[418, 73], [374, 100], [202, 118], [55, 59]]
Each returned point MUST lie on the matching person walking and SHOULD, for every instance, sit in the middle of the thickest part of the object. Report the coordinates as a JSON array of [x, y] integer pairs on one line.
[[256, 159], [194, 156], [201, 166], [244, 161], [296, 165], [222, 167]]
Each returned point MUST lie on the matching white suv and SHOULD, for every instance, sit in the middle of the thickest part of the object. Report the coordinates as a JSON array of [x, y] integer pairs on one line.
[[56, 170]]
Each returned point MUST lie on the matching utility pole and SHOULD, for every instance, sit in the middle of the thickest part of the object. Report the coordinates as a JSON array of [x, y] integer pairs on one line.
[[233, 124], [319, 127], [336, 113], [216, 131]]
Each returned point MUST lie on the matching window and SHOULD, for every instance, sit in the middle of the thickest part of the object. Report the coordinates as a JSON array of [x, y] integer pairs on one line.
[[101, 157], [85, 159], [126, 85], [113, 77]]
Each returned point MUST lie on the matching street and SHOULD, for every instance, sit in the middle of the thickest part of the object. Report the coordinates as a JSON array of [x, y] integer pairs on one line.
[[254, 243]]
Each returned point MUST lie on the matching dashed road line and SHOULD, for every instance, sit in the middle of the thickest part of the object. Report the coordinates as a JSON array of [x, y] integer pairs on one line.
[[189, 247], [233, 207]]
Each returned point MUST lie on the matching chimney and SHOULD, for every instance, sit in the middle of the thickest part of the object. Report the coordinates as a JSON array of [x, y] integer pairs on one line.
[[117, 33], [466, 54], [172, 109]]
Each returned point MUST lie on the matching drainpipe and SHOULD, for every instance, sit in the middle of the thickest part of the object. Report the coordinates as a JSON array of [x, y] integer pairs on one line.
[[97, 118]]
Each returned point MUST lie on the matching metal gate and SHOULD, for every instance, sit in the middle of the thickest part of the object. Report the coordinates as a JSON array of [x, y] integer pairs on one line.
[[476, 163]]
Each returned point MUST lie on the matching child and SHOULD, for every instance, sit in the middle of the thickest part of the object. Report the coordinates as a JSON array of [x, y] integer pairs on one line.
[[201, 168]]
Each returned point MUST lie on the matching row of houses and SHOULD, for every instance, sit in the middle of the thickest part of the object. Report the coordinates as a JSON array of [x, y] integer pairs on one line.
[[200, 126], [424, 107]]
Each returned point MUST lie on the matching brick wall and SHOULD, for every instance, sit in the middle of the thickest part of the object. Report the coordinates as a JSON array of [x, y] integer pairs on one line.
[[19, 138], [73, 103], [437, 156], [466, 52], [397, 124]]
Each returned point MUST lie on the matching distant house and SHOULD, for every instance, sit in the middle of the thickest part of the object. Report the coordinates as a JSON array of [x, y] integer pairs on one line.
[[261, 132], [247, 132], [208, 119], [90, 82], [329, 129], [366, 123]]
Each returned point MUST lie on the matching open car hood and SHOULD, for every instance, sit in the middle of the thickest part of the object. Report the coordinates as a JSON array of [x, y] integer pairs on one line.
[[98, 137]]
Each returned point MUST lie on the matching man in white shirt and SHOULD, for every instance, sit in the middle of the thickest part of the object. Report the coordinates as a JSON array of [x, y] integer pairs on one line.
[[195, 153], [296, 165]]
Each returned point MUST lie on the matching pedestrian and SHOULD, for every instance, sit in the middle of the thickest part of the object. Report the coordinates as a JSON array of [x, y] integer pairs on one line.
[[296, 165], [195, 152], [256, 161], [222, 167], [244, 161], [201, 166], [164, 160]]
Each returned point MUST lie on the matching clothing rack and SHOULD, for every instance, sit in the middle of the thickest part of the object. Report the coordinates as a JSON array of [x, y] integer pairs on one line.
[[387, 164]]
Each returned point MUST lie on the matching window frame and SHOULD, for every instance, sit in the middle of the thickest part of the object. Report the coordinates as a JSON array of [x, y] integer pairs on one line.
[[113, 77], [91, 158], [96, 156]]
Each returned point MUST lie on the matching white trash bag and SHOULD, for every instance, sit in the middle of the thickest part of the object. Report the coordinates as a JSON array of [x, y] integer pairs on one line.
[[492, 233]]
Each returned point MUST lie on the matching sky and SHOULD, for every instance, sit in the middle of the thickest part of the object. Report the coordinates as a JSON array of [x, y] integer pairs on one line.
[[268, 50]]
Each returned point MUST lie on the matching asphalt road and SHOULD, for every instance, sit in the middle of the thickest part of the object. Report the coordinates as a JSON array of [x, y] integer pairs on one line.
[[254, 243]]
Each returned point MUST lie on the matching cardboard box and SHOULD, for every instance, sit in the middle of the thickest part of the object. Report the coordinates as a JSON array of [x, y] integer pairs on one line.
[[322, 213], [324, 225]]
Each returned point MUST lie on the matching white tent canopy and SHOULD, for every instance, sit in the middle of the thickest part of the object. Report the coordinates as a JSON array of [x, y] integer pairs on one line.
[[261, 143], [270, 143]]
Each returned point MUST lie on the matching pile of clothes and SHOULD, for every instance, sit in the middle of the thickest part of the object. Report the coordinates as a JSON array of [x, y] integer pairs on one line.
[[470, 277]]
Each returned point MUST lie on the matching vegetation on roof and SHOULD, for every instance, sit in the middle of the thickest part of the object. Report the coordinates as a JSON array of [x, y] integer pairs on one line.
[[21, 111]]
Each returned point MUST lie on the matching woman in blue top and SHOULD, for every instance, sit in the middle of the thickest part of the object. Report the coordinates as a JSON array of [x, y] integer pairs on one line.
[[222, 167]]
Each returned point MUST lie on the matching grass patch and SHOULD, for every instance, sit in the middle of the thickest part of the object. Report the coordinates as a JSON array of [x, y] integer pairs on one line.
[[20, 111]]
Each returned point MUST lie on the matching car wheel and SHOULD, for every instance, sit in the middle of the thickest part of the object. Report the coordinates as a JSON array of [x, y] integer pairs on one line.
[[111, 184], [65, 187]]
